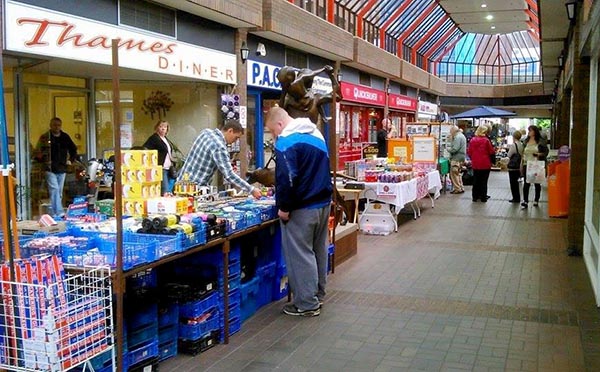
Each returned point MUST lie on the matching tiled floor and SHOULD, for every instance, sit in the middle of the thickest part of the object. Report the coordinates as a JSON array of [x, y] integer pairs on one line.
[[468, 286]]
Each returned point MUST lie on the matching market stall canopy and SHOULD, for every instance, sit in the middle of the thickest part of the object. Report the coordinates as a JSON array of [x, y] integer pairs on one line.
[[483, 112]]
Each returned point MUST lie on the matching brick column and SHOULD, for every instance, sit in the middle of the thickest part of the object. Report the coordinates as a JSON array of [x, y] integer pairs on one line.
[[563, 130], [241, 89], [579, 158]]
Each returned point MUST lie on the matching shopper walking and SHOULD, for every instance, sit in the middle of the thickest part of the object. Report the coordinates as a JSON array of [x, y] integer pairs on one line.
[[480, 150], [458, 150], [515, 156], [535, 149], [303, 198], [159, 142], [55, 150]]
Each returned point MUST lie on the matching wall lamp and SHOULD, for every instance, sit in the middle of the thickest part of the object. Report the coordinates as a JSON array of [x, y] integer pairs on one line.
[[571, 10], [560, 61], [244, 51]]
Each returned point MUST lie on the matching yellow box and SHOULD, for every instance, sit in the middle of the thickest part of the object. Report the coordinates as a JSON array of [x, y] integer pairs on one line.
[[139, 158], [144, 190], [174, 205], [141, 174], [134, 207]]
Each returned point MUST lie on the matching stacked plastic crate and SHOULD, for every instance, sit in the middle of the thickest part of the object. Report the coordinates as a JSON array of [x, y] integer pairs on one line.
[[168, 329], [199, 324], [141, 322]]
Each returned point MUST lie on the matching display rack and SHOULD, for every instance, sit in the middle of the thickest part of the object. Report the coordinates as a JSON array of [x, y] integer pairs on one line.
[[56, 327]]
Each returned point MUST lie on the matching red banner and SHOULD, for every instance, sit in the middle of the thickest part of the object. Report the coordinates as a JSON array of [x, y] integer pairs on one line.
[[400, 102], [362, 94]]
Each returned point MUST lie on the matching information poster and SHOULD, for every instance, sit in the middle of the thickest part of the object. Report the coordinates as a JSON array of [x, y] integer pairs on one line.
[[126, 135], [424, 149]]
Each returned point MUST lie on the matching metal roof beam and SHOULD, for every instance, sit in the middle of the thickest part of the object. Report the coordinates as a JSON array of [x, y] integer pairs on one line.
[[397, 13], [360, 16], [414, 25], [426, 37]]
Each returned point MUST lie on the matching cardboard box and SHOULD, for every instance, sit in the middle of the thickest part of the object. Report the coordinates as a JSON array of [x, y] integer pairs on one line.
[[135, 207], [167, 205], [30, 227], [141, 174], [136, 190], [139, 158]]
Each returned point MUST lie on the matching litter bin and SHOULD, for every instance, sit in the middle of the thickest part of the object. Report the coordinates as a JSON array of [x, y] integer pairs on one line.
[[558, 189]]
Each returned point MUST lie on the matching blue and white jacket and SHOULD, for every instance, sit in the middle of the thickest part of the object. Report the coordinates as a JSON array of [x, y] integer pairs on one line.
[[302, 172]]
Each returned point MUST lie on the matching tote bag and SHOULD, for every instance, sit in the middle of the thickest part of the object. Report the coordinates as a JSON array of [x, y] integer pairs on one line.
[[536, 171]]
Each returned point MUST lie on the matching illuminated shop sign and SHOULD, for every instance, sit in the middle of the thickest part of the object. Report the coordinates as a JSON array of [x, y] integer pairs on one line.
[[362, 94], [44, 32]]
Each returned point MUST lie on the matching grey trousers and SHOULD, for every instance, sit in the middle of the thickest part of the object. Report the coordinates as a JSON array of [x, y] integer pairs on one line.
[[304, 243]]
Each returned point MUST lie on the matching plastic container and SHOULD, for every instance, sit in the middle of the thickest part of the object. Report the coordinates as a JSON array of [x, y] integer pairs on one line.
[[141, 316], [199, 330], [167, 350], [168, 334], [249, 292], [195, 347], [197, 308], [143, 352], [168, 315], [144, 279], [266, 275], [235, 325], [142, 336], [330, 252]]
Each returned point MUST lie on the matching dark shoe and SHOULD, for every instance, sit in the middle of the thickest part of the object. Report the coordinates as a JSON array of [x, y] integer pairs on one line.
[[474, 200], [535, 204], [487, 197], [291, 309], [484, 200], [513, 201], [524, 205]]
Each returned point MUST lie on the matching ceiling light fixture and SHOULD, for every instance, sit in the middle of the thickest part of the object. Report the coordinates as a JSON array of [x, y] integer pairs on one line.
[[489, 17], [493, 27], [484, 5]]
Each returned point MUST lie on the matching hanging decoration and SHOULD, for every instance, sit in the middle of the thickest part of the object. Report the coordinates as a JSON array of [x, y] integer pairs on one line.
[[230, 106], [159, 103]]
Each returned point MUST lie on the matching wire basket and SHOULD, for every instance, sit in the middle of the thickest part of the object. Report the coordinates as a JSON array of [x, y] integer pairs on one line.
[[57, 325]]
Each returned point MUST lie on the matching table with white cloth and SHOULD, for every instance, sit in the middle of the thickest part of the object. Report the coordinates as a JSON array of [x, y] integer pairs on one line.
[[404, 193]]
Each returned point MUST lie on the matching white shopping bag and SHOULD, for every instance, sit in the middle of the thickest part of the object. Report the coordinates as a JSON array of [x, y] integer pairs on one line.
[[536, 171]]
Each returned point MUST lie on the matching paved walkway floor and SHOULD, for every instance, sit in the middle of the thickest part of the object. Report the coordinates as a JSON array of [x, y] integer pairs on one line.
[[468, 286]]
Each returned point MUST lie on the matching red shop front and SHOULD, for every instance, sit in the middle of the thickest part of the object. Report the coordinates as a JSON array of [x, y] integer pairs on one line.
[[401, 111], [360, 117]]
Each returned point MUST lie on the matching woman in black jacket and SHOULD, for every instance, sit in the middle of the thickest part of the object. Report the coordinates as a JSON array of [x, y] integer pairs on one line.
[[159, 141]]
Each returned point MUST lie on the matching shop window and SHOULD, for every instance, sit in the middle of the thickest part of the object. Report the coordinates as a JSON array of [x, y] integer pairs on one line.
[[148, 16], [295, 58], [364, 78]]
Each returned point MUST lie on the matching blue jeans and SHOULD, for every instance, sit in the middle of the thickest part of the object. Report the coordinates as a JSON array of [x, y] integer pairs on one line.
[[56, 184], [167, 183]]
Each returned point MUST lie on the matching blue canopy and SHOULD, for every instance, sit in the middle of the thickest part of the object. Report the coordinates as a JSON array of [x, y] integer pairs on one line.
[[483, 112]]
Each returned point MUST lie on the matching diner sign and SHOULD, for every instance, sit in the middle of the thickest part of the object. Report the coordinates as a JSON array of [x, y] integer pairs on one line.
[[40, 31], [361, 94]]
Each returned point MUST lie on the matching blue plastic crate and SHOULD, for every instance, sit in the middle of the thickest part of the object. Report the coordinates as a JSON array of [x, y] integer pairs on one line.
[[140, 317], [144, 279], [266, 275], [330, 252], [235, 311], [235, 325], [167, 350], [249, 292], [192, 240], [168, 334], [136, 251], [195, 309], [142, 336], [280, 284], [168, 315], [143, 352], [196, 331], [234, 282]]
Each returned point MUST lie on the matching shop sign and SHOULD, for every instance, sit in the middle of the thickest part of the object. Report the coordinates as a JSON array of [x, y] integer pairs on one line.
[[400, 102], [428, 108], [362, 94], [39, 31], [263, 75]]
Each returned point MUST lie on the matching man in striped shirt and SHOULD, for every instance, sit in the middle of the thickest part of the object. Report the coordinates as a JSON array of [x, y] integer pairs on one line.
[[209, 153]]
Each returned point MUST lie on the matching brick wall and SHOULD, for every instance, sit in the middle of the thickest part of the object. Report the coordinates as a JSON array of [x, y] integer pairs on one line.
[[292, 22], [437, 85], [367, 55], [413, 75], [249, 11]]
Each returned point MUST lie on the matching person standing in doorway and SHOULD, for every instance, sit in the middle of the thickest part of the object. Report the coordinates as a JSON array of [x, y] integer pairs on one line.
[[382, 136], [458, 151], [159, 142], [480, 150], [55, 150], [303, 198]]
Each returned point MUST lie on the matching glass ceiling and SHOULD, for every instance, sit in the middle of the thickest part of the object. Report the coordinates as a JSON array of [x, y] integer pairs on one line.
[[423, 33]]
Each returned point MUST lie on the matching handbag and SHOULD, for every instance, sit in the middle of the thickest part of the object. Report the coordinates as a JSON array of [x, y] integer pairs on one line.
[[536, 171], [515, 159], [173, 172]]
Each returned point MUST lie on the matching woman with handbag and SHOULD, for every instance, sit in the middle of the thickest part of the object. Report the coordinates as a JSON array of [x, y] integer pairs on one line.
[[535, 149], [515, 155], [480, 150], [159, 141]]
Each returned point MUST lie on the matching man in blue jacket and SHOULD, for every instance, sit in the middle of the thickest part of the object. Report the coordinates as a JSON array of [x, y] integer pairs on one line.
[[303, 198]]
